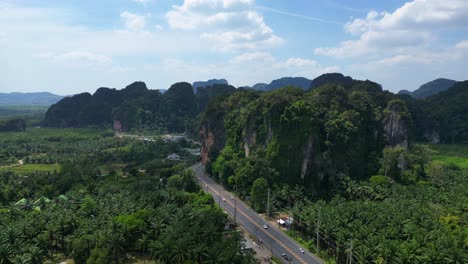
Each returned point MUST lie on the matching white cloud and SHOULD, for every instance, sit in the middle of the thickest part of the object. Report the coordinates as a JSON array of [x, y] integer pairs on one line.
[[462, 44], [158, 27], [143, 2], [76, 56], [253, 56], [133, 22], [300, 62], [228, 24], [411, 27]]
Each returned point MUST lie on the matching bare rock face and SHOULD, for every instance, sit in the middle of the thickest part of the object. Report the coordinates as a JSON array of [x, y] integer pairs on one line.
[[432, 136], [250, 139], [307, 161], [117, 126], [396, 123], [213, 137]]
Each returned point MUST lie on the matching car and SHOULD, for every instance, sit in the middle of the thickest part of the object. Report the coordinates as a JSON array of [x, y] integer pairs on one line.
[[265, 226], [302, 250], [285, 256], [232, 197], [224, 199]]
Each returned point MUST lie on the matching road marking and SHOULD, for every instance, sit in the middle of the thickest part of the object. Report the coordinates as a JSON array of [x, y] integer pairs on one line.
[[261, 227]]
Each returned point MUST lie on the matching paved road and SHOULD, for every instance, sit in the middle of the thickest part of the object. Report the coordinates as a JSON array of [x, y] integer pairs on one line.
[[273, 238]]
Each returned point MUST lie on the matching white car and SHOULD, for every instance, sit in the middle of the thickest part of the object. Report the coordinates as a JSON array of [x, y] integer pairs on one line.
[[301, 250], [265, 226], [224, 199]]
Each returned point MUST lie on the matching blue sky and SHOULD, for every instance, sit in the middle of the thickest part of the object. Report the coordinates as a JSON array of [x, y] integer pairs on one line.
[[68, 47]]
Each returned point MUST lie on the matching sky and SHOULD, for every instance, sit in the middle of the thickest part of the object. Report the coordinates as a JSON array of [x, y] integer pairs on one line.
[[68, 47]]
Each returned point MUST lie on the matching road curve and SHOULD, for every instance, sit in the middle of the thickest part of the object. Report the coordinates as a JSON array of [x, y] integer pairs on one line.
[[273, 238]]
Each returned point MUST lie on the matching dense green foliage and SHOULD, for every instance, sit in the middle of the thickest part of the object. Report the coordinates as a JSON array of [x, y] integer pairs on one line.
[[150, 208], [443, 116], [13, 124], [345, 160], [387, 222], [313, 139]]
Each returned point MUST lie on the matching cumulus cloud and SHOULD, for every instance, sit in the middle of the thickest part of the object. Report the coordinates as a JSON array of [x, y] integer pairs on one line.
[[462, 44], [253, 56], [158, 27], [133, 22], [412, 26], [76, 56], [229, 24], [143, 2]]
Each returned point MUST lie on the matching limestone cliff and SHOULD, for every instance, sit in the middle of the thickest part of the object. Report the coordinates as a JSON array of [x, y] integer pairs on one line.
[[212, 136], [396, 124]]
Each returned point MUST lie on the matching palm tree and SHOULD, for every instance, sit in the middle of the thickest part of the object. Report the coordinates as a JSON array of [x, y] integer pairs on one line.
[[143, 243], [181, 251], [6, 252], [115, 243], [23, 259], [36, 254]]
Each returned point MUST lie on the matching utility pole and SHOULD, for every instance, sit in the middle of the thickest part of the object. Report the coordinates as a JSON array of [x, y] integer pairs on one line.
[[351, 252], [235, 202], [289, 216], [268, 203], [318, 233], [235, 209]]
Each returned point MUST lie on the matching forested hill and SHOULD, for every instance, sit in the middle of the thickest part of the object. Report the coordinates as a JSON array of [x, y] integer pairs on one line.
[[43, 98], [299, 82], [135, 107], [431, 88], [304, 83], [311, 138], [442, 117]]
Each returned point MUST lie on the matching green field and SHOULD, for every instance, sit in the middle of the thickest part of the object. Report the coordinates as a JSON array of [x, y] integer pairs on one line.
[[35, 167], [23, 110], [451, 154]]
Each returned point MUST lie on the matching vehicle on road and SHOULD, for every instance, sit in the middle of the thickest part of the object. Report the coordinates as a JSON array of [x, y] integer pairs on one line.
[[224, 199], [232, 197], [265, 226], [285, 256], [301, 250]]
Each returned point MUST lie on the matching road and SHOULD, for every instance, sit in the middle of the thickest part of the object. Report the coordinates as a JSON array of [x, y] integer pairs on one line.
[[273, 238]]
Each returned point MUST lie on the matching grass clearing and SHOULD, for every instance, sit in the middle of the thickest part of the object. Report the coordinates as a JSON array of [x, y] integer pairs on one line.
[[451, 154], [35, 167]]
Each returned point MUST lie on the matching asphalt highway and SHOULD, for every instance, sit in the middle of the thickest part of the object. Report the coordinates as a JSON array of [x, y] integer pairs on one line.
[[272, 238]]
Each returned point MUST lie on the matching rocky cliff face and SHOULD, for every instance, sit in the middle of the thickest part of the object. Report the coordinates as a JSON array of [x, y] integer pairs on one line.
[[307, 161], [396, 124], [212, 135]]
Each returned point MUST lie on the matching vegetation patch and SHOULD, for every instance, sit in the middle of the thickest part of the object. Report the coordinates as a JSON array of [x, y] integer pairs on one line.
[[36, 167], [456, 154]]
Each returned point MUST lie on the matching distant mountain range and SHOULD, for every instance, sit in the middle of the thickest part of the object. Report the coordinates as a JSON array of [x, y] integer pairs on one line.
[[433, 87], [43, 98], [211, 82], [300, 82]]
